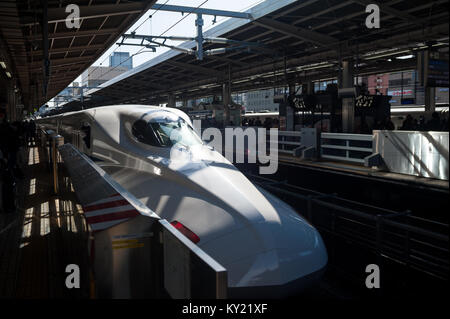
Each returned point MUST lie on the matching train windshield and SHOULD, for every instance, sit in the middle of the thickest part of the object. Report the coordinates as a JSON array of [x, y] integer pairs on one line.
[[165, 131]]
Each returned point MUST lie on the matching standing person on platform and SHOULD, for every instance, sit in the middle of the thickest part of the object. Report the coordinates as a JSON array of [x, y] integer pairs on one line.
[[32, 130], [408, 123], [435, 123], [8, 145], [387, 124], [26, 132], [267, 123]]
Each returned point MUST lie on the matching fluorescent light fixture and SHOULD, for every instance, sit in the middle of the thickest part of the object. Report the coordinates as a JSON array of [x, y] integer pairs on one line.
[[316, 67], [8, 74], [3, 64], [404, 57], [371, 57]]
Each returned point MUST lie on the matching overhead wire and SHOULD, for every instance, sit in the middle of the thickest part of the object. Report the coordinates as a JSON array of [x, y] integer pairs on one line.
[[118, 45], [173, 25]]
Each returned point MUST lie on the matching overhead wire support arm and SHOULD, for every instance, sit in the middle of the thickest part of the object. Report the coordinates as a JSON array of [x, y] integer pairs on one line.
[[148, 46], [199, 38], [238, 45], [151, 37], [212, 12], [181, 38], [184, 50]]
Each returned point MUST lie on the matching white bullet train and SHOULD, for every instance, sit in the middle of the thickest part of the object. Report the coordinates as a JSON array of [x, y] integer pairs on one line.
[[154, 153]]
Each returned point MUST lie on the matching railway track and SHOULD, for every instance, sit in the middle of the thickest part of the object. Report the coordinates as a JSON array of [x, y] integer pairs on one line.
[[411, 251]]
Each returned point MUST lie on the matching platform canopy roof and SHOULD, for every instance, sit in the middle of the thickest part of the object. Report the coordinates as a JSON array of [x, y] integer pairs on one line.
[[26, 28], [302, 39]]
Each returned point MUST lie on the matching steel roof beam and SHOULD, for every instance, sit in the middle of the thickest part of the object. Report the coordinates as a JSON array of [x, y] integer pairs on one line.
[[151, 84], [166, 71], [192, 67], [330, 9], [72, 49], [84, 33], [296, 7], [61, 62], [300, 33], [95, 11], [361, 13], [227, 60], [302, 5], [386, 8], [401, 14]]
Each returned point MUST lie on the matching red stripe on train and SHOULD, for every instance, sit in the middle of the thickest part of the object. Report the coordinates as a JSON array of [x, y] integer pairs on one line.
[[112, 216], [115, 203]]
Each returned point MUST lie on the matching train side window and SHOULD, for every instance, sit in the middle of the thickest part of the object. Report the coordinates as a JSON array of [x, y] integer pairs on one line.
[[143, 133]]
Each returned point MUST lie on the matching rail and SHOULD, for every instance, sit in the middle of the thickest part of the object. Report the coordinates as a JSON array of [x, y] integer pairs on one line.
[[346, 147], [134, 253]]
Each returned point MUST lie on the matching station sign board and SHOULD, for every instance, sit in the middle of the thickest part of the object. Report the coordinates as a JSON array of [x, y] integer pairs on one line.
[[407, 92], [437, 73], [432, 69]]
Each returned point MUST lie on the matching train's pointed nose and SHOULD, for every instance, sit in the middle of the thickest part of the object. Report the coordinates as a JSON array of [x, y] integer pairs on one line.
[[295, 251]]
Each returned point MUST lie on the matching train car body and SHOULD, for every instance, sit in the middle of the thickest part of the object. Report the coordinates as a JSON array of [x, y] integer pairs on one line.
[[268, 249]]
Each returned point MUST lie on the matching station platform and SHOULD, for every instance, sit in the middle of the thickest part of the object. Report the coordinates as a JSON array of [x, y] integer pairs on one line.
[[46, 233], [349, 168]]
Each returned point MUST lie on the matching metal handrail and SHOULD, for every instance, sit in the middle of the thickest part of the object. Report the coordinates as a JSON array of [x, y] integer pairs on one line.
[[347, 136]]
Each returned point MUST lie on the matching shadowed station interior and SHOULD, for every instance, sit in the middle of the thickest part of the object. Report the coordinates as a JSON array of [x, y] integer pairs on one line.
[[295, 149]]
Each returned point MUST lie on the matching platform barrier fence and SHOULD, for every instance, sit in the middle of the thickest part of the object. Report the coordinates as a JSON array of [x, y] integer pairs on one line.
[[352, 148]]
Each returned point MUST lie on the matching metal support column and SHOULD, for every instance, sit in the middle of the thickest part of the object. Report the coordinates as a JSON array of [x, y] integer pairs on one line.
[[199, 25], [430, 99], [226, 99], [46, 60], [171, 100], [290, 112], [310, 87], [348, 102], [56, 141]]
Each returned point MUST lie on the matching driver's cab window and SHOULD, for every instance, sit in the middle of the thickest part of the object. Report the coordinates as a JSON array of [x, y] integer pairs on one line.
[[143, 133], [165, 130]]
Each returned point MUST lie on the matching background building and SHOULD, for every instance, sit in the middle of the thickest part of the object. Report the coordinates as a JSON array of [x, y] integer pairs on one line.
[[258, 101], [68, 94], [96, 75], [121, 59], [119, 62]]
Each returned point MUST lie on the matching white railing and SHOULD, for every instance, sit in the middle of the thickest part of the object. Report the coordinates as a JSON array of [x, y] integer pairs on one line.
[[335, 146], [346, 147], [288, 138]]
